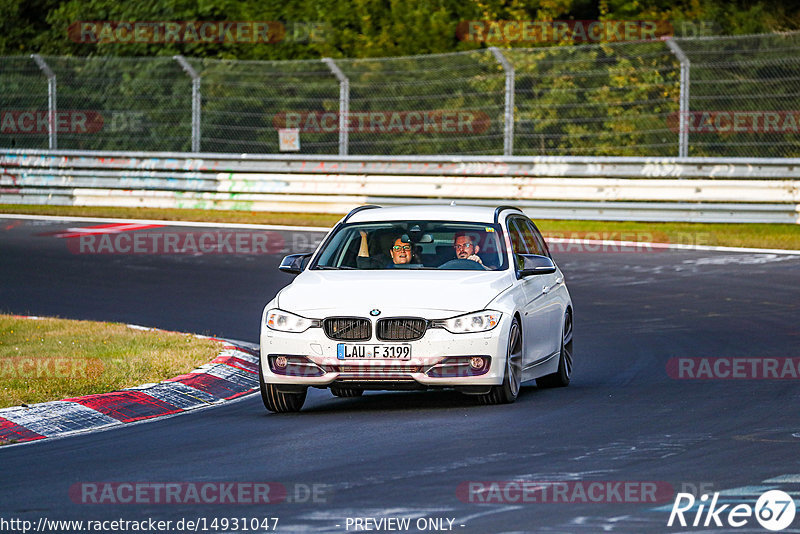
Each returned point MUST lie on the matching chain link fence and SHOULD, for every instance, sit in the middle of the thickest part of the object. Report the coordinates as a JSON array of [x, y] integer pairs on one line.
[[707, 96]]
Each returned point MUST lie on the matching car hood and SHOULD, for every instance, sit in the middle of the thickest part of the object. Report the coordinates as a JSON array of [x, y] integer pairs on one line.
[[316, 294]]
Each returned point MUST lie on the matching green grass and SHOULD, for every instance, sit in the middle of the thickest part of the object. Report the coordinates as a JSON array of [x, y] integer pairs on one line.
[[50, 359], [781, 236]]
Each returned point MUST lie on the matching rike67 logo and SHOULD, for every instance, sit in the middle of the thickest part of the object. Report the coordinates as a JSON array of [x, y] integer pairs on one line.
[[774, 510]]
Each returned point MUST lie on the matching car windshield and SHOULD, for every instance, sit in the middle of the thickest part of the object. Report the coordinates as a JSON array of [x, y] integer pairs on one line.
[[414, 245]]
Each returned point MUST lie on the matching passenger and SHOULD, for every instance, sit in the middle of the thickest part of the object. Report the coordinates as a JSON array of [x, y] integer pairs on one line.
[[465, 248], [400, 253]]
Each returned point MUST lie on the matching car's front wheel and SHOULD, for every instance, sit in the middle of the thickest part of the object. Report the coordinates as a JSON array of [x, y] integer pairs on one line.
[[507, 392], [279, 401], [561, 377]]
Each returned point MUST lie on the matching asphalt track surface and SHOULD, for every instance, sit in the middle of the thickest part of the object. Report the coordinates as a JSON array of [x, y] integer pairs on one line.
[[388, 455]]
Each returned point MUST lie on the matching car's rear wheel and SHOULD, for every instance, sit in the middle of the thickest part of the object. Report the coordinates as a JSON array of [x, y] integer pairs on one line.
[[561, 377], [346, 392], [507, 392], [279, 401]]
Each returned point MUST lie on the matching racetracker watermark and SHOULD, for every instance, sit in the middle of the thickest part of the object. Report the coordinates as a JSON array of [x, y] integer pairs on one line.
[[198, 493], [623, 242], [147, 524], [23, 368], [565, 491], [730, 122], [774, 510], [559, 31], [193, 31], [39, 122], [386, 122], [731, 368], [170, 242]]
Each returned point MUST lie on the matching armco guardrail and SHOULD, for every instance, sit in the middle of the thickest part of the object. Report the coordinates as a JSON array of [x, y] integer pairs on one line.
[[610, 188]]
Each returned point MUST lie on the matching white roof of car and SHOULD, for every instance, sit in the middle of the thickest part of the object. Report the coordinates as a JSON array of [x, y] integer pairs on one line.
[[445, 212]]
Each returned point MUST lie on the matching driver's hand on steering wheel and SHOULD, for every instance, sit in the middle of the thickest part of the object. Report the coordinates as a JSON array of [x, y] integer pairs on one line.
[[475, 257]]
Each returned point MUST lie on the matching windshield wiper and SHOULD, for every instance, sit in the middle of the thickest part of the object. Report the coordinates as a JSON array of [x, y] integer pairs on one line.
[[332, 268]]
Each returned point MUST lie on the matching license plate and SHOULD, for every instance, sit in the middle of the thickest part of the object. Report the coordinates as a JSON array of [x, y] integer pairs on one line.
[[347, 351]]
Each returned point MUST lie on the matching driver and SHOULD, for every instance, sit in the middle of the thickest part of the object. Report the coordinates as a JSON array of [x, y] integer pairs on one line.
[[465, 248]]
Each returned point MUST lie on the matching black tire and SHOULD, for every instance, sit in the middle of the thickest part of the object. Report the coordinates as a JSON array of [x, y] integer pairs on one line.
[[507, 392], [278, 401], [346, 392], [561, 377]]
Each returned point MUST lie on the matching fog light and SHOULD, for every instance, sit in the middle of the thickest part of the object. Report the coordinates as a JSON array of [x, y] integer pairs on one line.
[[280, 362], [476, 362], [460, 366]]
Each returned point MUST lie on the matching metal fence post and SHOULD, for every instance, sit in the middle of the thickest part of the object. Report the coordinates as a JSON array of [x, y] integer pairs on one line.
[[683, 136], [508, 116], [52, 140], [196, 103], [344, 104]]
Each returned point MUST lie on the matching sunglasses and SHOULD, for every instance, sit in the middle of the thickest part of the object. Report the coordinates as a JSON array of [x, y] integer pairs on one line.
[[401, 247]]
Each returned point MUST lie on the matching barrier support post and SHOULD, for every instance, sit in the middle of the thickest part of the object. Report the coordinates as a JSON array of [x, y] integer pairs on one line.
[[344, 104], [196, 102], [508, 115], [683, 136], [52, 139]]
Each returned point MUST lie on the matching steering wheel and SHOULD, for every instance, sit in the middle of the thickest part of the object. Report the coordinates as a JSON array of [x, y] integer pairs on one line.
[[459, 264]]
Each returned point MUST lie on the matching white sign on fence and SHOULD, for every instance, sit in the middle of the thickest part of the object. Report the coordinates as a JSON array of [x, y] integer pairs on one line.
[[289, 139]]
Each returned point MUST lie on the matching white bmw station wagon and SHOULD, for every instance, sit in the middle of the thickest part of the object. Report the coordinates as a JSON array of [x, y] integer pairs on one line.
[[419, 297]]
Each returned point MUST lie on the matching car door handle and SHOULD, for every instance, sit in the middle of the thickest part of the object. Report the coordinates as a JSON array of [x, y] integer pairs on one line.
[[546, 289]]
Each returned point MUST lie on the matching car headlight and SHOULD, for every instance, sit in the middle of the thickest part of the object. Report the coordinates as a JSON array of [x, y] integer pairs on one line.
[[481, 321], [284, 321]]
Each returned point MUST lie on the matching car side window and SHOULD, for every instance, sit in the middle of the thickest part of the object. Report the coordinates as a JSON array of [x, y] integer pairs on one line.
[[539, 238], [528, 237], [517, 241], [530, 241], [529, 233]]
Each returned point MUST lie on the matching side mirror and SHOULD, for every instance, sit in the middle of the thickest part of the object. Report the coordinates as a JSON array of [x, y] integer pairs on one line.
[[294, 263], [532, 264]]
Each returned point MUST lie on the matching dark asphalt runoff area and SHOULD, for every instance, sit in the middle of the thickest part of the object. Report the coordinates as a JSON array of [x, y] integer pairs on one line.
[[437, 459]]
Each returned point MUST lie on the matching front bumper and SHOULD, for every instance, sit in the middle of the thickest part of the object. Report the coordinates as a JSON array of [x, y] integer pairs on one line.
[[438, 359]]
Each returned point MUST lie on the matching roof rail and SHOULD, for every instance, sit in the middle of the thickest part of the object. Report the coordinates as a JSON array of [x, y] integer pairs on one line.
[[502, 208], [359, 208]]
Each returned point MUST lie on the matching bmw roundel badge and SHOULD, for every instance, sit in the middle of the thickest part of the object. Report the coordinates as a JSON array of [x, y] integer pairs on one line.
[[375, 312]]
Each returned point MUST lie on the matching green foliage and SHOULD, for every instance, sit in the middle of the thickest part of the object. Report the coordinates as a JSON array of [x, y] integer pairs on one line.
[[23, 24], [358, 28]]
